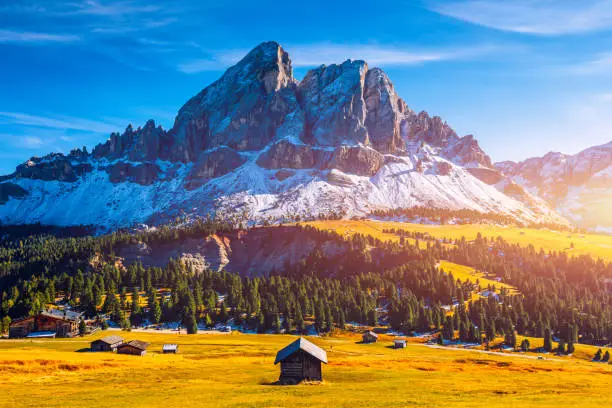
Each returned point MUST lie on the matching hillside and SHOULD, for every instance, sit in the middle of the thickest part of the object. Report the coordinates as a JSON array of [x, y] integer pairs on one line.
[[238, 371], [259, 144], [573, 244]]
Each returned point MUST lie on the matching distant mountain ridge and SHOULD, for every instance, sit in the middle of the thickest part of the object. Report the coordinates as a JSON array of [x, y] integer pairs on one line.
[[259, 143], [579, 186]]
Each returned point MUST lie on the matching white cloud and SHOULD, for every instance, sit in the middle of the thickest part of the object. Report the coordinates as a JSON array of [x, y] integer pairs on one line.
[[57, 122], [30, 142], [601, 64], [8, 36], [313, 55], [540, 17]]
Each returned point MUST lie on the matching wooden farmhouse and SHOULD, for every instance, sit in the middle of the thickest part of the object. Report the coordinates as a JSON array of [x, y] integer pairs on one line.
[[109, 343], [170, 348], [51, 323], [369, 337], [300, 360], [134, 347]]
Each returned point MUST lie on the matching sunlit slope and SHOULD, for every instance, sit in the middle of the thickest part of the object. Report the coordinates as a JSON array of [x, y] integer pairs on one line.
[[464, 273], [238, 371], [593, 244]]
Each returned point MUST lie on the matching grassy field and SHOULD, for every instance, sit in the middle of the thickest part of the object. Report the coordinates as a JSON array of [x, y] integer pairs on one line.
[[238, 371], [595, 245], [464, 273]]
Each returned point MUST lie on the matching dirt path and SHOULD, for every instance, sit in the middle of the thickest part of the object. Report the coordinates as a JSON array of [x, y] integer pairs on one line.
[[494, 353]]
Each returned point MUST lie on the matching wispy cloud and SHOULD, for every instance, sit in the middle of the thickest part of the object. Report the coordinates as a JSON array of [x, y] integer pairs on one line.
[[31, 142], [539, 17], [312, 55], [8, 36], [599, 64], [67, 123], [117, 8]]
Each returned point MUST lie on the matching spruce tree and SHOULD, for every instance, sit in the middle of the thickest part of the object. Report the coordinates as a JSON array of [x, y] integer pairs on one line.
[[548, 342], [598, 355]]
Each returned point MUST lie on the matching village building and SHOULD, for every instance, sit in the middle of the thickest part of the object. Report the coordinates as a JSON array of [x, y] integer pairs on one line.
[[109, 343], [134, 347], [399, 343], [51, 323], [170, 348], [300, 360], [369, 337]]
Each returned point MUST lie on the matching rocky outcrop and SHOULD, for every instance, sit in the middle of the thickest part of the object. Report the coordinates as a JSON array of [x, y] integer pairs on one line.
[[10, 190], [332, 100], [143, 144], [213, 164], [358, 160], [467, 152], [424, 129], [242, 110], [286, 155], [384, 112], [443, 168], [54, 167], [489, 176], [144, 174]]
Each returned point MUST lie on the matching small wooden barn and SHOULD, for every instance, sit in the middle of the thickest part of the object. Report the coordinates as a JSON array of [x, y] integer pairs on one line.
[[134, 347], [300, 360], [170, 348], [399, 343], [369, 337], [108, 343]]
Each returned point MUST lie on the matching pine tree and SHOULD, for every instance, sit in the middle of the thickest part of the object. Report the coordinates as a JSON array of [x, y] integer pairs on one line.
[[606, 357], [82, 327], [598, 355], [156, 312], [548, 342], [561, 347], [525, 346]]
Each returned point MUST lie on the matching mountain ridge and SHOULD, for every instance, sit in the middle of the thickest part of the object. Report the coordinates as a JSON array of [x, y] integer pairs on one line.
[[260, 143], [579, 186]]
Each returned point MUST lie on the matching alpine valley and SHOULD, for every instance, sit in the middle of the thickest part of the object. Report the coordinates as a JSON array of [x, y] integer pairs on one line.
[[260, 144]]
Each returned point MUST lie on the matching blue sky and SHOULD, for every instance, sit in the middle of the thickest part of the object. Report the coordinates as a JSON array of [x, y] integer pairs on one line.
[[524, 76]]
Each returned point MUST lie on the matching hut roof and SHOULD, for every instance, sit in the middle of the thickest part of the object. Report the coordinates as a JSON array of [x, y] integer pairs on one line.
[[142, 345], [170, 347], [302, 344], [62, 314], [371, 333], [111, 340]]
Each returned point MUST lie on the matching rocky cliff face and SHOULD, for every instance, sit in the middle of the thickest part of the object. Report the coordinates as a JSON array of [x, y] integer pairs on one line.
[[257, 141]]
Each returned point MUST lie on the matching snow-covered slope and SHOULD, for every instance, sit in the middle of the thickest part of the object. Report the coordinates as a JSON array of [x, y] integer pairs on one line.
[[259, 143], [578, 186]]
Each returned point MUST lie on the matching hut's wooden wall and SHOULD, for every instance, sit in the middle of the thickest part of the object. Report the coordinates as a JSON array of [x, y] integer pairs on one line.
[[300, 366]]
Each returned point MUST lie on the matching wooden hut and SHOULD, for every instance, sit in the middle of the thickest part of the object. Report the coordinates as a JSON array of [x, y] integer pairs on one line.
[[108, 343], [399, 343], [300, 360], [170, 348], [369, 337], [64, 323], [134, 347]]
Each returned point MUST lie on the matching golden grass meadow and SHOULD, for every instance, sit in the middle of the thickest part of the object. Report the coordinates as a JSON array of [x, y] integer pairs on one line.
[[237, 370], [596, 245]]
